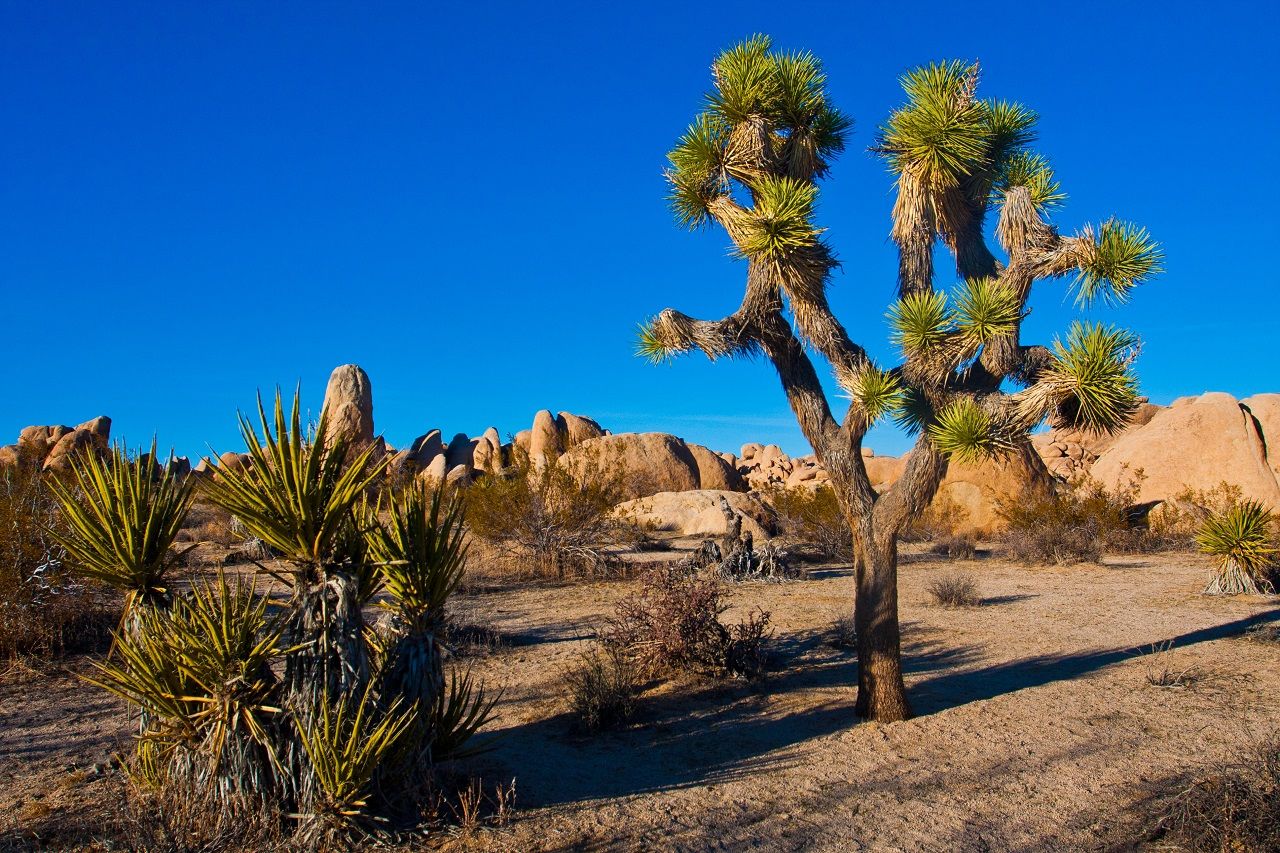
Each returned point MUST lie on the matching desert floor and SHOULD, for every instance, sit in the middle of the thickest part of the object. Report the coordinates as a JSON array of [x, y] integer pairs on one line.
[[1036, 726]]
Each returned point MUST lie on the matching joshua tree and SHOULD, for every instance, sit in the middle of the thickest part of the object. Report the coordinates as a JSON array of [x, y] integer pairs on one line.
[[751, 162]]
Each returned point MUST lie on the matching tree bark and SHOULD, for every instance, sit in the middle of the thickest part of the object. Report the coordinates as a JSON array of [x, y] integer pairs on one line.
[[881, 693]]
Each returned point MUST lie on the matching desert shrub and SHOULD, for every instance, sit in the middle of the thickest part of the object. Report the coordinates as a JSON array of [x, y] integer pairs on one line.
[[673, 625], [551, 520], [602, 688], [1242, 539], [1264, 634], [308, 712], [1236, 807], [955, 547], [45, 609], [209, 523], [1176, 521], [843, 633], [955, 589], [938, 521], [813, 517], [1073, 525]]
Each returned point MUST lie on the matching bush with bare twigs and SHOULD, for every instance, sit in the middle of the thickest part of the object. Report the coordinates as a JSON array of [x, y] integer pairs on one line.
[[549, 520], [955, 589], [602, 688], [1234, 807], [812, 518], [673, 624], [1075, 525]]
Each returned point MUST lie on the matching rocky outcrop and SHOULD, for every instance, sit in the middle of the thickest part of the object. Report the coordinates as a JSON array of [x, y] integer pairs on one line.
[[1196, 443], [698, 513], [348, 404], [51, 448], [766, 466], [1070, 453], [651, 462]]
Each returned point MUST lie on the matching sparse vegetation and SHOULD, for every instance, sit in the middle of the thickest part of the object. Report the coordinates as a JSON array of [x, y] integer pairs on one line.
[[955, 589], [310, 712], [602, 687], [1234, 807], [45, 609], [1073, 525], [1242, 540], [547, 520], [673, 624], [1164, 673], [813, 518], [955, 547]]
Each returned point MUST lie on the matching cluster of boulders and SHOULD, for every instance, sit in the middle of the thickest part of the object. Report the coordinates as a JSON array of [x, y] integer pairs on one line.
[[766, 466], [1194, 444], [51, 448]]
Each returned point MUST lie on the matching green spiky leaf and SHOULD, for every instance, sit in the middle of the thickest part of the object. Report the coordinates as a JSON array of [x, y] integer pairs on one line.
[[1120, 257], [1026, 169], [921, 322], [1093, 374], [966, 432], [1240, 536], [782, 219], [697, 170], [985, 310], [877, 392], [746, 81], [942, 135]]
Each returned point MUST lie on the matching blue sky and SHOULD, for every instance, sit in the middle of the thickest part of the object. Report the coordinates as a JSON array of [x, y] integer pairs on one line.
[[198, 200]]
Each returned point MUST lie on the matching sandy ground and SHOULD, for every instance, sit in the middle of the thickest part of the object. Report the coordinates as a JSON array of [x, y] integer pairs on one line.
[[1036, 728]]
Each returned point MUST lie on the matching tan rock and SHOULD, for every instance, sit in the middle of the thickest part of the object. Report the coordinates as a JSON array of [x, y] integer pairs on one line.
[[100, 429], [69, 447], [545, 442], [576, 429], [973, 493], [650, 462], [435, 472], [487, 457], [1265, 409], [714, 472], [461, 452], [697, 512], [348, 402], [884, 470], [1196, 443], [425, 448]]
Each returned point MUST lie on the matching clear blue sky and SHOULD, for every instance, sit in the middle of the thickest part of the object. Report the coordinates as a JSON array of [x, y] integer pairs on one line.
[[201, 199]]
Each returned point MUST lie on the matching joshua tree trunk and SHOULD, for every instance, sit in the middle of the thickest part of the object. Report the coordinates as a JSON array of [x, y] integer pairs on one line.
[[881, 695]]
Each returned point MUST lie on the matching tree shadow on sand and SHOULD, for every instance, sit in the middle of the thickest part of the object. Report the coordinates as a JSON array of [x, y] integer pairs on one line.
[[709, 732]]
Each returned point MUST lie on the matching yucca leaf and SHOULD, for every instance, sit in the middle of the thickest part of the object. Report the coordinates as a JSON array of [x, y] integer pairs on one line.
[[1120, 257], [942, 135], [985, 310], [421, 552], [966, 432], [876, 392], [1092, 375], [1240, 537], [921, 322], [1032, 171], [746, 81], [782, 219]]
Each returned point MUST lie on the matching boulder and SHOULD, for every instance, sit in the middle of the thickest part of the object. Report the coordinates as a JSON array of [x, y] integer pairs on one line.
[[461, 452], [971, 495], [698, 513], [100, 429], [68, 447], [714, 472], [884, 470], [487, 456], [1265, 409], [435, 472], [545, 442], [520, 441], [1196, 443], [576, 429], [425, 448], [649, 462], [348, 402]]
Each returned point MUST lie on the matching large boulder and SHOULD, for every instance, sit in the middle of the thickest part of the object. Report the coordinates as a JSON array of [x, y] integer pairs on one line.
[[648, 462], [1069, 453], [1196, 443], [971, 495], [1265, 409], [545, 440], [425, 448], [714, 472], [348, 401], [576, 429], [698, 513]]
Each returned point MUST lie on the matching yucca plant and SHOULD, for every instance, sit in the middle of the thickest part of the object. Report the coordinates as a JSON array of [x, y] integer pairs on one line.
[[1241, 538], [300, 495], [421, 551], [120, 516], [751, 162], [350, 738], [200, 673]]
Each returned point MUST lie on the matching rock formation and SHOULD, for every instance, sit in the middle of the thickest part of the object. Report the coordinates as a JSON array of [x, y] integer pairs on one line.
[[652, 462], [348, 402]]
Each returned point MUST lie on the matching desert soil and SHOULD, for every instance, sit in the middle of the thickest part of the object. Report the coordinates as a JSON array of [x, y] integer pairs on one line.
[[1035, 728]]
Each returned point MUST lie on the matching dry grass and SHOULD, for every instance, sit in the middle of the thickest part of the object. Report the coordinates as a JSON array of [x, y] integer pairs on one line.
[[954, 589], [1162, 672], [1233, 807], [955, 547], [602, 688]]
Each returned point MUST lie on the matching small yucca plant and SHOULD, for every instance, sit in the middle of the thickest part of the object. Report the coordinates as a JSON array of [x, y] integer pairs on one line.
[[347, 743], [121, 516], [1240, 537]]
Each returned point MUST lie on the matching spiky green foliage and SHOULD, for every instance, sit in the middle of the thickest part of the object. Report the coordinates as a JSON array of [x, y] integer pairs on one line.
[[941, 135], [1240, 537], [459, 712], [421, 552], [1030, 170], [878, 392], [746, 80], [298, 491], [121, 516], [649, 345], [697, 171], [1092, 375], [782, 220], [985, 310], [201, 673], [1118, 258], [347, 743], [920, 322], [966, 432]]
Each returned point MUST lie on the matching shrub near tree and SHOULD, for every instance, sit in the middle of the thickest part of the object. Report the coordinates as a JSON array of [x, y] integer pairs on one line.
[[750, 163], [310, 713]]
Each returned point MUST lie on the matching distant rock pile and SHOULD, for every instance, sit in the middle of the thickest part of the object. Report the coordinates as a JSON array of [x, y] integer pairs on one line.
[[765, 466], [51, 448]]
